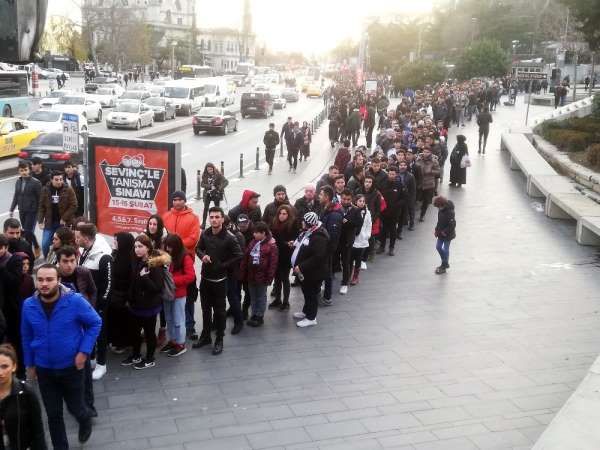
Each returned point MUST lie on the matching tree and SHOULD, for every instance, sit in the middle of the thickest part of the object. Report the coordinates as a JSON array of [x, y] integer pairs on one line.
[[390, 44], [484, 58], [62, 37], [418, 74], [345, 50], [587, 16]]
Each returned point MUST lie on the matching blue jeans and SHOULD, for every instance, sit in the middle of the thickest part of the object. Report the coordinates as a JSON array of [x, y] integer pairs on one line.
[[175, 316], [47, 236], [258, 298], [56, 386], [443, 248]]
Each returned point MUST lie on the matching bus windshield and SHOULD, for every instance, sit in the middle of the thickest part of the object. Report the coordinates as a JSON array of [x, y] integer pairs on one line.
[[177, 92]]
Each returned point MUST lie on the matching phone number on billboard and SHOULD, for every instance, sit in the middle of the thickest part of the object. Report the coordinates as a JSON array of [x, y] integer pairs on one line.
[[129, 220]]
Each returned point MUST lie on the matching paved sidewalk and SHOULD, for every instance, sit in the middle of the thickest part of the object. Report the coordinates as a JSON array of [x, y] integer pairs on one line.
[[481, 358]]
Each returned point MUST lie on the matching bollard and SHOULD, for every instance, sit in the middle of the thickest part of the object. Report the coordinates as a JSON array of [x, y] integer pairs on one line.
[[222, 168], [281, 149], [257, 166], [198, 184], [241, 165]]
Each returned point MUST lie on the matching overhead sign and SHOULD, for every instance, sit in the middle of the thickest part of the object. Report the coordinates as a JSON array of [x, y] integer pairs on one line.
[[70, 126], [130, 181], [532, 76], [371, 86]]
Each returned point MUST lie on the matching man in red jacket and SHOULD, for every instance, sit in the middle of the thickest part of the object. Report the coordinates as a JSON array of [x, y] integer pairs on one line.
[[182, 221]]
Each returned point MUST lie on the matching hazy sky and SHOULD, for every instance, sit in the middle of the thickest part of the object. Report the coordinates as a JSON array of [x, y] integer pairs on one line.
[[301, 25]]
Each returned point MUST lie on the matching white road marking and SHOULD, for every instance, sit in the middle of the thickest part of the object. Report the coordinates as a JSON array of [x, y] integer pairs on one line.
[[241, 132], [5, 214], [214, 143], [185, 155], [9, 178]]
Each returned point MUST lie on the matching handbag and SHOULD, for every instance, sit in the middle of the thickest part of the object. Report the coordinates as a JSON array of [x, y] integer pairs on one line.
[[465, 162]]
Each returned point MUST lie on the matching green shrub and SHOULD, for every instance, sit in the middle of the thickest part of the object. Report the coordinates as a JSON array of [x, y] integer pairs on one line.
[[596, 106], [569, 140], [592, 155]]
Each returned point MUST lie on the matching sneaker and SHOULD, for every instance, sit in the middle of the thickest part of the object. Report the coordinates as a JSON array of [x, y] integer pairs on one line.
[[144, 364], [202, 342], [306, 323], [275, 304], [176, 350], [440, 270], [237, 328], [284, 306], [326, 302], [391, 252], [255, 321], [299, 315], [343, 290], [167, 348], [363, 265], [131, 360], [218, 348], [99, 372]]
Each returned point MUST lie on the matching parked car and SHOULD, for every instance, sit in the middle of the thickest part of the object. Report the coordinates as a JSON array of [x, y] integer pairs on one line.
[[80, 104], [49, 148], [107, 97], [49, 121], [163, 108], [215, 119], [130, 114], [54, 72], [14, 135], [313, 91], [157, 91], [290, 95], [93, 85], [54, 97], [256, 104], [278, 101]]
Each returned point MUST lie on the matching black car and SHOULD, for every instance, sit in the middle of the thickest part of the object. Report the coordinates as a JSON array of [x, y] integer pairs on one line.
[[49, 148], [215, 119], [163, 108], [258, 104]]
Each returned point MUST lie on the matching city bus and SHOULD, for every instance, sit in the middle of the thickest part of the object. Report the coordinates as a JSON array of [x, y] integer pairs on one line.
[[14, 94], [193, 71]]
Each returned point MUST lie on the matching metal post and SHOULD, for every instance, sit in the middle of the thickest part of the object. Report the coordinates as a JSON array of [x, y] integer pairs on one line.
[[198, 186], [528, 103], [281, 149], [86, 188], [222, 168], [241, 165], [257, 166], [575, 77]]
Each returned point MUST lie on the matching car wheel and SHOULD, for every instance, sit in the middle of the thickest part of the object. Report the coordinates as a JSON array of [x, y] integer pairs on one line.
[[138, 125], [225, 130], [151, 122], [109, 126], [7, 111], [235, 126], [99, 119], [84, 128], [196, 131], [188, 112]]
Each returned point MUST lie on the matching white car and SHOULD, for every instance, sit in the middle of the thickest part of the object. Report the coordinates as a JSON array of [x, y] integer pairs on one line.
[[50, 121], [117, 87], [130, 115], [107, 97], [54, 97], [278, 101], [80, 104], [54, 72]]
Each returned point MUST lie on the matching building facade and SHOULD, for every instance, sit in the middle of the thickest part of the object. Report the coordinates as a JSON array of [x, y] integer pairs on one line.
[[223, 48]]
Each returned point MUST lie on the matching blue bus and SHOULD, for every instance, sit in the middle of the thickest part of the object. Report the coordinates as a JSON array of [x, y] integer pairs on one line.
[[14, 94]]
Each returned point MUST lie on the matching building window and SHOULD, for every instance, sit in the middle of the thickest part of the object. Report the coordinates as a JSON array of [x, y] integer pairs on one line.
[[201, 44], [179, 21], [168, 16], [178, 5], [208, 45]]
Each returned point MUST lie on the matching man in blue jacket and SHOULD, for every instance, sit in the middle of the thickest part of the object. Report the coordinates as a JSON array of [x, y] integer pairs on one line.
[[59, 329]]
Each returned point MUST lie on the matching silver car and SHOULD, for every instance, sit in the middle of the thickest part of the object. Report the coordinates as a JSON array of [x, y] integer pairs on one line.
[[130, 115]]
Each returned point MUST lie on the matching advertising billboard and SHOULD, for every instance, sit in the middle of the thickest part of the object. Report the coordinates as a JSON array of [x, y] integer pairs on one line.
[[130, 180]]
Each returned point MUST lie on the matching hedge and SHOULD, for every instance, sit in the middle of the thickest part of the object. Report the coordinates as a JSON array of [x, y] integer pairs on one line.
[[592, 155], [569, 140]]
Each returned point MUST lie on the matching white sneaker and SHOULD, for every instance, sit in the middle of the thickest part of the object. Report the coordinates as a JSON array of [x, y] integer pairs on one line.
[[363, 265], [343, 290], [299, 315], [99, 372], [306, 323]]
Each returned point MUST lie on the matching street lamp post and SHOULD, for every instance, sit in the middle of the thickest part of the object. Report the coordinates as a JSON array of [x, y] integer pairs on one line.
[[173, 45], [473, 23]]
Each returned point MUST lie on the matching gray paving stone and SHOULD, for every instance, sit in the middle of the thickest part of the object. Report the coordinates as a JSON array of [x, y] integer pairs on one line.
[[441, 415], [296, 422], [460, 430], [279, 437], [318, 407], [447, 444], [367, 401], [232, 443], [390, 422], [499, 439], [401, 440], [334, 430], [205, 421], [262, 414]]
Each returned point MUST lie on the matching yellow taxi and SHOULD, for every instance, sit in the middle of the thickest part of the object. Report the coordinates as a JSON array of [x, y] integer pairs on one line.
[[14, 135], [313, 91]]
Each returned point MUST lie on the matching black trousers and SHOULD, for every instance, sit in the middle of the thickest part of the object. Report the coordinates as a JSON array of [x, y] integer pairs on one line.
[[426, 198], [56, 386], [148, 324], [281, 285], [369, 135], [28, 220], [357, 257], [354, 134], [310, 290], [390, 225], [212, 299], [269, 156], [343, 254], [483, 133], [293, 157]]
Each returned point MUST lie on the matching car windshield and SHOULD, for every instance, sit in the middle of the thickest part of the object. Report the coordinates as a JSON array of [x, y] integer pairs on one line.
[[177, 92], [45, 116], [155, 101], [57, 94], [48, 139], [210, 111], [104, 91], [127, 107], [137, 87], [135, 95], [100, 80], [72, 100]]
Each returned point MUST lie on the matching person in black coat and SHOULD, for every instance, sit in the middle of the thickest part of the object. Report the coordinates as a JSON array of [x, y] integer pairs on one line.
[[393, 193], [271, 141], [20, 411], [445, 230], [285, 230], [310, 261], [331, 218], [351, 225], [458, 174], [73, 179], [409, 184], [27, 198]]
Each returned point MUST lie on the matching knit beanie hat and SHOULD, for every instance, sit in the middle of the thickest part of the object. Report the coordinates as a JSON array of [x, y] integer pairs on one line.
[[311, 218], [279, 188]]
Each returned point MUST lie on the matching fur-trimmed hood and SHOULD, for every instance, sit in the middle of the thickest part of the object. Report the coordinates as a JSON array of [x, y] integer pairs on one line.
[[159, 258]]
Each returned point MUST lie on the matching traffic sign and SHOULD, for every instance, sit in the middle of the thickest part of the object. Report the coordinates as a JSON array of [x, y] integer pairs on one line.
[[70, 125], [532, 76]]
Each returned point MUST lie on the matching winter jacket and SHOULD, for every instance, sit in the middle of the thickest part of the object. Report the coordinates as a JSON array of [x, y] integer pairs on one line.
[[287, 132], [324, 181], [302, 206], [353, 121], [76, 183], [224, 251], [373, 198], [271, 211], [379, 177], [146, 289], [313, 258], [333, 129], [393, 193], [446, 225], [351, 224], [84, 284], [213, 186], [184, 276], [67, 205], [271, 139], [332, 222], [21, 419], [43, 177], [185, 224], [410, 187], [27, 198], [282, 236], [264, 271], [349, 170], [296, 142], [53, 343], [98, 260], [362, 238], [429, 170], [242, 208], [354, 185], [483, 120]]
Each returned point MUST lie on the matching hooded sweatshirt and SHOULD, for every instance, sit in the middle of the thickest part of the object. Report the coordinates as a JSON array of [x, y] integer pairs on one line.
[[186, 225], [98, 260], [254, 214]]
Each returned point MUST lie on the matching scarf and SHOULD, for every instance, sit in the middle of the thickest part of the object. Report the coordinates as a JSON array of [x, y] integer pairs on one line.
[[255, 254], [303, 240]]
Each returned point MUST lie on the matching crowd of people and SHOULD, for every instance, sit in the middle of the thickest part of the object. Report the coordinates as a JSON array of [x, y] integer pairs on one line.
[[135, 294]]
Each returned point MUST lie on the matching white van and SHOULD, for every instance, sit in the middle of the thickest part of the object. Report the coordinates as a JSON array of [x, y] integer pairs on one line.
[[216, 92], [186, 95]]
